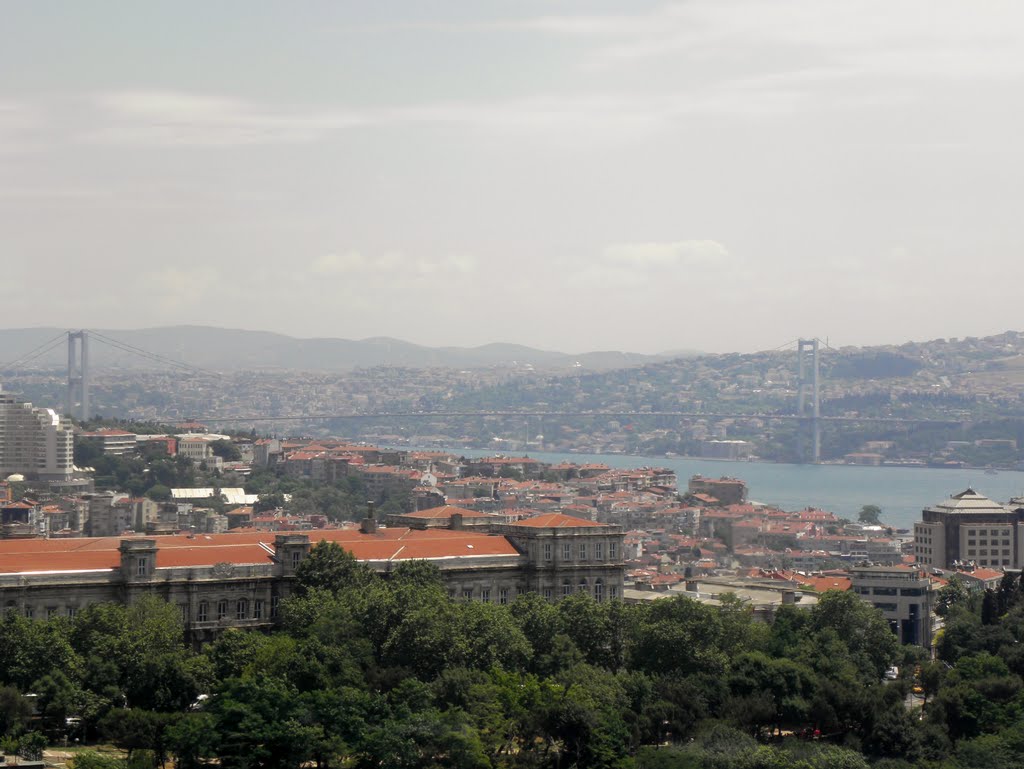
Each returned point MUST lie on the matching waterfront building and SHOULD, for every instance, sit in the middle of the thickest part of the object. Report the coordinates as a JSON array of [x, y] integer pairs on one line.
[[35, 442], [969, 528]]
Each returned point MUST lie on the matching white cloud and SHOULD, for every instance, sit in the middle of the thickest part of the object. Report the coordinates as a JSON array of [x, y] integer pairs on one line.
[[391, 263], [681, 253]]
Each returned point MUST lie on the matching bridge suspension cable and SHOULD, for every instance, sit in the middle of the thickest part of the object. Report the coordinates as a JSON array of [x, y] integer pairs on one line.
[[37, 352], [130, 348]]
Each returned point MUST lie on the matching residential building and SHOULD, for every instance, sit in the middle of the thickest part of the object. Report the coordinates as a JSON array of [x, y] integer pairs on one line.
[[35, 442], [112, 441]]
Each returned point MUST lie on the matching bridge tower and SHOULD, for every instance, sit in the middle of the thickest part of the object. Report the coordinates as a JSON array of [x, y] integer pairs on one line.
[[808, 403], [77, 403]]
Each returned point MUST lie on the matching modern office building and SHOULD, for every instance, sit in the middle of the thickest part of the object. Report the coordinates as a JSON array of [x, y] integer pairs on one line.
[[35, 442], [969, 528], [904, 596]]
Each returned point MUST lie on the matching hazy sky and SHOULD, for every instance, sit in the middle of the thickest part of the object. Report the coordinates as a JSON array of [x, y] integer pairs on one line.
[[715, 174]]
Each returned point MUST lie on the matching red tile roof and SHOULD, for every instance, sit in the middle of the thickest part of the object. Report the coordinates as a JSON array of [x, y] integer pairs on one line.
[[555, 520], [96, 553], [446, 511]]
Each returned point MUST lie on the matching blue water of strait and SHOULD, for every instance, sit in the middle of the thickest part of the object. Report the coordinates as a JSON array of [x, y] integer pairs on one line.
[[901, 492]]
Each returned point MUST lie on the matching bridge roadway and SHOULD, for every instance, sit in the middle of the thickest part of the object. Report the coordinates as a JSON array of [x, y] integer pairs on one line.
[[544, 414]]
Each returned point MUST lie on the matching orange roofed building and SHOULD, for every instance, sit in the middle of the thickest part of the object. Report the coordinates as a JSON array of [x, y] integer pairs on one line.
[[238, 579]]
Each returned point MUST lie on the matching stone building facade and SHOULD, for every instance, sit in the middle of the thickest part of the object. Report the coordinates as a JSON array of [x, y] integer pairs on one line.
[[238, 579]]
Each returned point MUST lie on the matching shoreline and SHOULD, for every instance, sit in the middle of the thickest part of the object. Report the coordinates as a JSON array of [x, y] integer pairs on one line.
[[690, 458]]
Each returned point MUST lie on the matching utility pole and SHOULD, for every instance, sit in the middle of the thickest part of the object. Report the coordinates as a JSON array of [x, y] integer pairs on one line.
[[808, 403]]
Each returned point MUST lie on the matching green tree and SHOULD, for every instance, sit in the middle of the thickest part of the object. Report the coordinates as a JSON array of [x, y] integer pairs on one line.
[[330, 567], [953, 593], [15, 711], [191, 739], [871, 514], [159, 493]]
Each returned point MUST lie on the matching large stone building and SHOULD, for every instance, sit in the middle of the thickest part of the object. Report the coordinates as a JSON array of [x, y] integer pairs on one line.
[[237, 579], [970, 528], [35, 442]]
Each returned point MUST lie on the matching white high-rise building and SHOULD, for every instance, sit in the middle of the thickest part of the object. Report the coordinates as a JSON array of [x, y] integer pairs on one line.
[[35, 442]]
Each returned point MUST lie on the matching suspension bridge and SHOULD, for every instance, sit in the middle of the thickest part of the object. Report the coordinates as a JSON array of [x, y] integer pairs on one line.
[[808, 411]]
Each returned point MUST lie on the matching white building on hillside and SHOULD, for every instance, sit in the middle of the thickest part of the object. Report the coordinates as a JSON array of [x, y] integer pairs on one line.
[[35, 442]]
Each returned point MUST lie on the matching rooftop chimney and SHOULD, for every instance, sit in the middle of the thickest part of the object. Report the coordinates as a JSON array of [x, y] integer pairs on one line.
[[369, 524], [456, 521]]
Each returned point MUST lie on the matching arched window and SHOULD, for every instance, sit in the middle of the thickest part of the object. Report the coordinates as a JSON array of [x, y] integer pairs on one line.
[[203, 612], [242, 609], [582, 586], [222, 609], [599, 590]]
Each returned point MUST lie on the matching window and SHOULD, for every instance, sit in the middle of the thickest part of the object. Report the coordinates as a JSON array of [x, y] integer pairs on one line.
[[886, 606], [275, 604], [566, 551], [141, 567], [467, 595], [582, 587], [485, 595], [547, 551], [257, 609], [1006, 562], [613, 591], [296, 557], [203, 612], [222, 609], [1006, 542], [183, 610], [547, 593], [242, 609], [30, 612], [51, 612], [982, 532], [71, 612], [599, 551], [520, 591], [972, 542], [583, 551], [971, 532], [503, 596], [599, 590], [566, 588], [983, 542], [911, 591], [983, 552], [613, 550]]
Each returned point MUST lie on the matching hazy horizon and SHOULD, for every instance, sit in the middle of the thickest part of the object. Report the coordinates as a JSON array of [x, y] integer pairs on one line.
[[718, 175]]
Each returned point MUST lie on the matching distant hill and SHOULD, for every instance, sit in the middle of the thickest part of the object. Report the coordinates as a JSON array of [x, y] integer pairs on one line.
[[223, 349]]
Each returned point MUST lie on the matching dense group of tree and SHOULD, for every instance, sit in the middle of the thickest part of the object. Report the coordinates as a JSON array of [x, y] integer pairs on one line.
[[372, 671]]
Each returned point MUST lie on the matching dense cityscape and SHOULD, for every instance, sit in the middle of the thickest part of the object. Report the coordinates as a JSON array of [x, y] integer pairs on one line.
[[591, 384], [204, 535]]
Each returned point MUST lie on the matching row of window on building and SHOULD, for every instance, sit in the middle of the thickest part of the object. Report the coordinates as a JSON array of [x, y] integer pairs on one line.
[[581, 550], [502, 595], [239, 609]]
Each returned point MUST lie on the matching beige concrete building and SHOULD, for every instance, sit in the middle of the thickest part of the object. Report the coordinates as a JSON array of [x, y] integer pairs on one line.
[[970, 528], [904, 596]]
